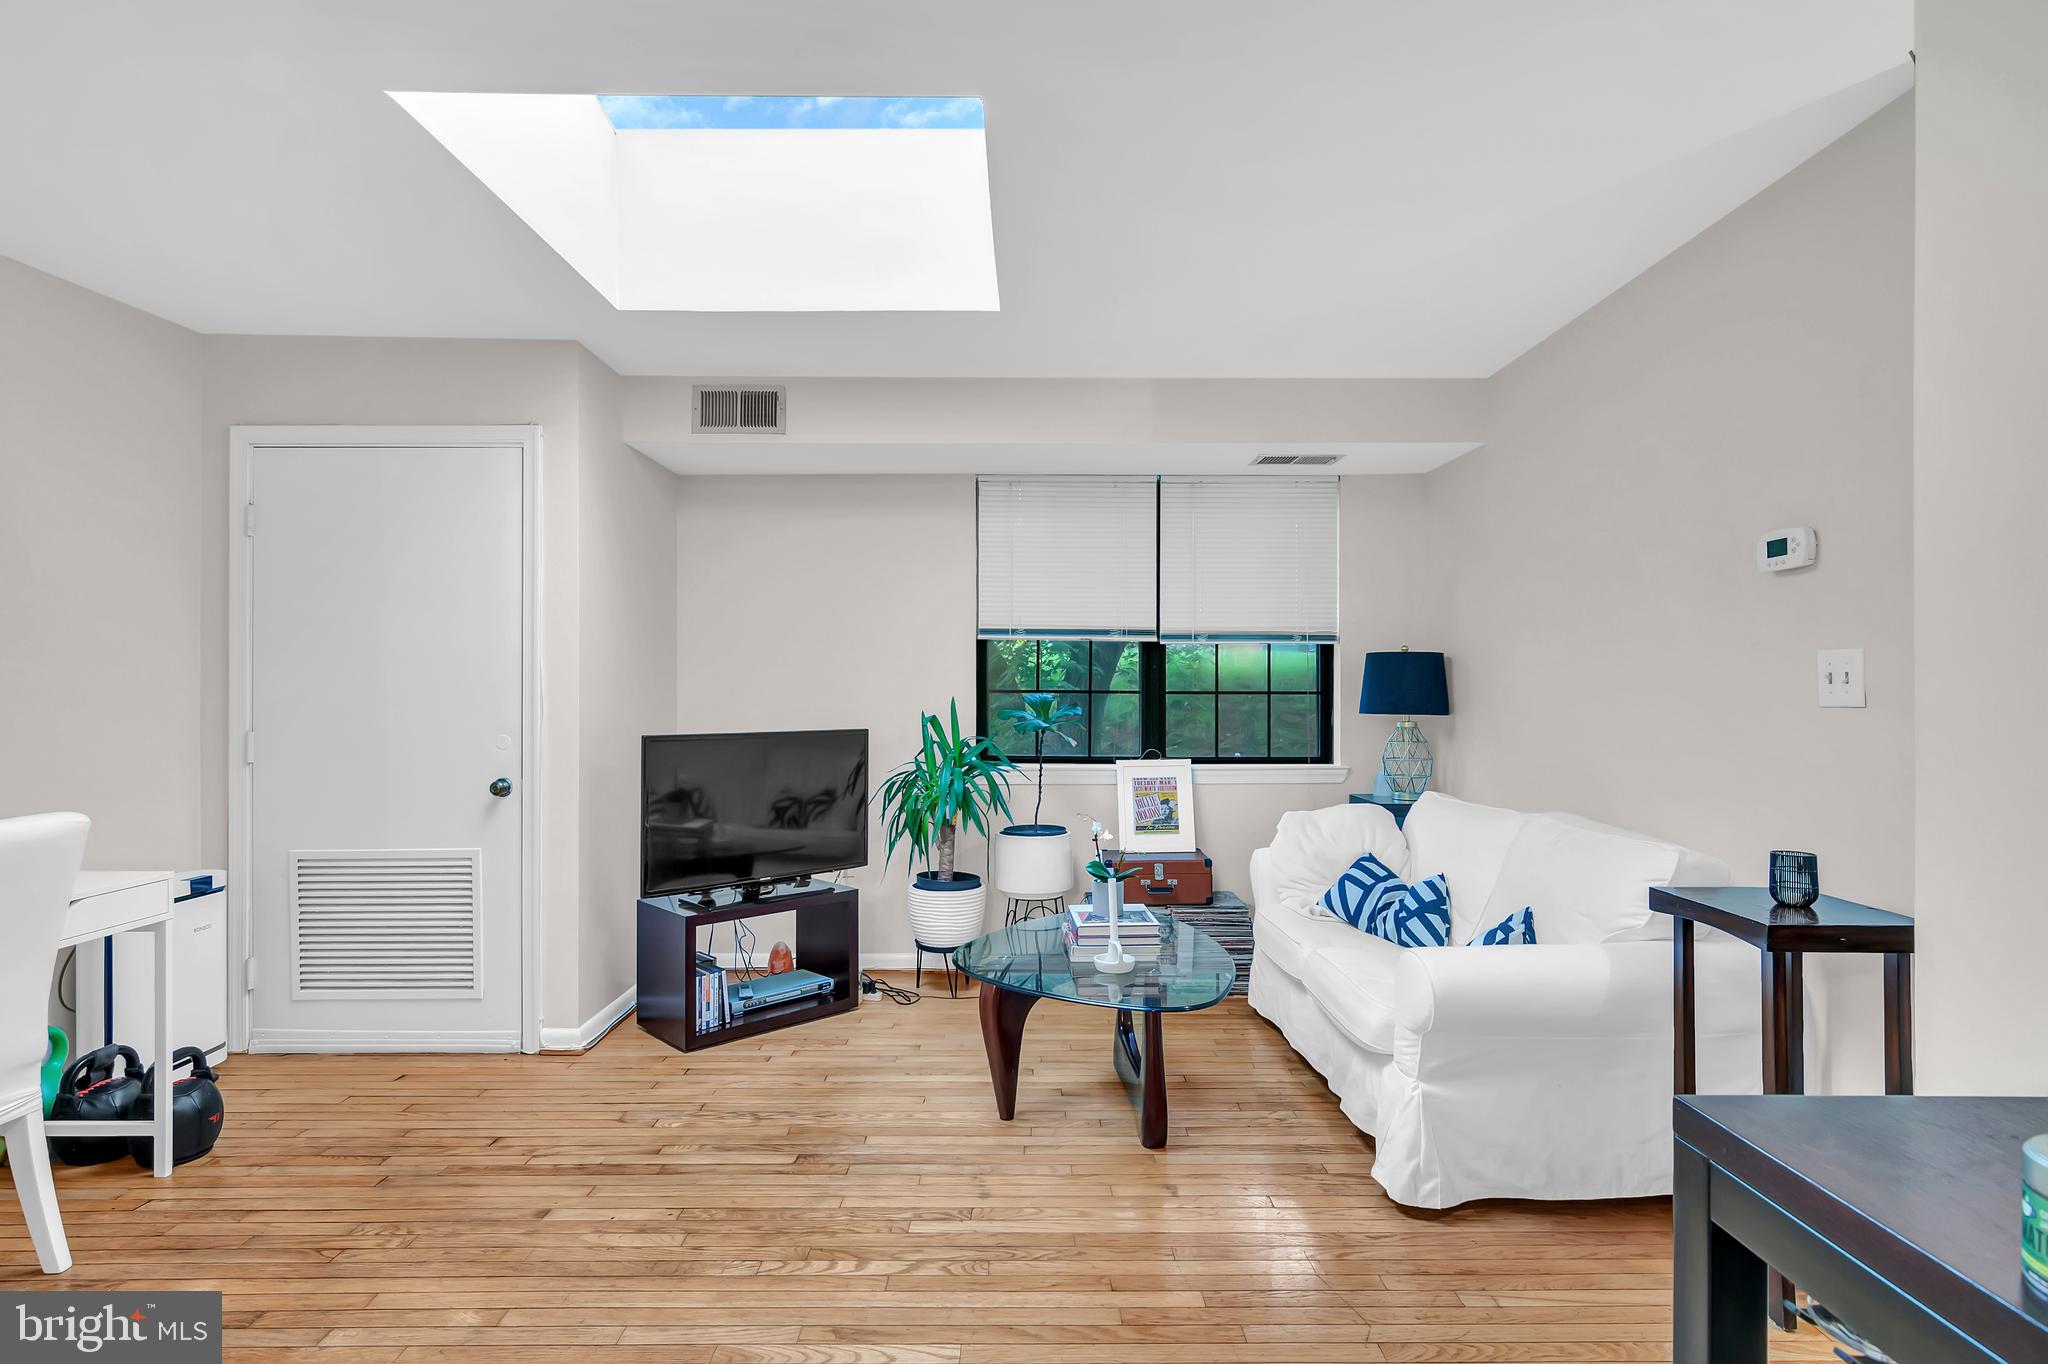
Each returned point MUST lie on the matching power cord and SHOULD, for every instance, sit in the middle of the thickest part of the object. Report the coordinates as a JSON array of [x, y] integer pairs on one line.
[[895, 994], [743, 950]]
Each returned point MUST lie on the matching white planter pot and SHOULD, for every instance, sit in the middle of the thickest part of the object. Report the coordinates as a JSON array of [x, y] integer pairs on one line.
[[947, 913], [1034, 862]]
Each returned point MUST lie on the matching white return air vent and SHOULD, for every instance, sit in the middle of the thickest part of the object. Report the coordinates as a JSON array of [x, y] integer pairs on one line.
[[1298, 461], [386, 923], [739, 410]]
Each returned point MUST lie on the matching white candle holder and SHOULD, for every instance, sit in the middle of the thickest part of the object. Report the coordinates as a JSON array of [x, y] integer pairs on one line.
[[1109, 898]]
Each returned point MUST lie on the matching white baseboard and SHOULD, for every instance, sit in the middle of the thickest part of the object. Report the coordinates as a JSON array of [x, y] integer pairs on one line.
[[348, 1040], [591, 1030], [869, 961]]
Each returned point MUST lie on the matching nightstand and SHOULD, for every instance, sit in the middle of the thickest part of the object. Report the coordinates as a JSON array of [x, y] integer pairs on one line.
[[1397, 808]]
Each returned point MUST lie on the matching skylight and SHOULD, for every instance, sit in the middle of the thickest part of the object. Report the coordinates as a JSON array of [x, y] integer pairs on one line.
[[764, 204], [637, 113]]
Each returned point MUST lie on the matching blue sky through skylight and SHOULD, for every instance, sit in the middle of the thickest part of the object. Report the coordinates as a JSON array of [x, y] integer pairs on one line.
[[791, 111]]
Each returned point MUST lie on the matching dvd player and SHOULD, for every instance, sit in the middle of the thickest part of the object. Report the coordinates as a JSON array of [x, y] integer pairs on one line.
[[784, 987]]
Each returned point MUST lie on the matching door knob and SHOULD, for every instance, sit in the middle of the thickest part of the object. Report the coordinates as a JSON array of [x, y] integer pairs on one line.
[[502, 787]]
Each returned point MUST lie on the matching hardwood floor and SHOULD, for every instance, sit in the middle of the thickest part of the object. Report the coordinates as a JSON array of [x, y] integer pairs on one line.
[[844, 1192]]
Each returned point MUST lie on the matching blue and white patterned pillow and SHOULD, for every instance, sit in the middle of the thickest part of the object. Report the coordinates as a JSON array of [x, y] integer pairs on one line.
[[1370, 897], [1518, 927]]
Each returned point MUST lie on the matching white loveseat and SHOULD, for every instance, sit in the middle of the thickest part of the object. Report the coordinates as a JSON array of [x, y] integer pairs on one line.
[[1529, 1071]]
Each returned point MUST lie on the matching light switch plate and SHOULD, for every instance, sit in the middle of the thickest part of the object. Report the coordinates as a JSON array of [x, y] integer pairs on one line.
[[1841, 677]]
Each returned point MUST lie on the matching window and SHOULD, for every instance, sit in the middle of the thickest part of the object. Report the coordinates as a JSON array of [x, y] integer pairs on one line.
[[639, 113], [1190, 617], [1242, 703]]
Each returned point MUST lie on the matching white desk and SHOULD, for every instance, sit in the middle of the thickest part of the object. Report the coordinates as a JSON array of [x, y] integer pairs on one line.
[[105, 902]]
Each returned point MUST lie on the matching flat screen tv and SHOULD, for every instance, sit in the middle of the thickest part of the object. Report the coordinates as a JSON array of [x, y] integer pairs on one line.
[[735, 809]]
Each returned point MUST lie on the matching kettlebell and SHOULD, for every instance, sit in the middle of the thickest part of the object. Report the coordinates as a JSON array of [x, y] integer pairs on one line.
[[196, 1111], [92, 1092], [53, 1067]]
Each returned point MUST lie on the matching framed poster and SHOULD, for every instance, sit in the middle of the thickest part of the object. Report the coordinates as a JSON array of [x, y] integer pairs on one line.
[[1155, 805]]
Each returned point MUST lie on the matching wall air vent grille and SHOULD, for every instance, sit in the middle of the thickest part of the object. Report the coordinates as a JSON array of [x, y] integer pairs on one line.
[[385, 923], [1298, 461], [739, 410]]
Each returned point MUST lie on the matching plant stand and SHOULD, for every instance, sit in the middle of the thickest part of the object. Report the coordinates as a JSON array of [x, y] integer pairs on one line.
[[945, 954], [1032, 907]]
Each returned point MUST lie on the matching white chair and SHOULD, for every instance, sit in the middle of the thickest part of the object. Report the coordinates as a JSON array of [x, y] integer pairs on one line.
[[39, 860]]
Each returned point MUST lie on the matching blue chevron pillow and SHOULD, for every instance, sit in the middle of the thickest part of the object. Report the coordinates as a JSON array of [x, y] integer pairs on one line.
[[1518, 927], [1370, 897]]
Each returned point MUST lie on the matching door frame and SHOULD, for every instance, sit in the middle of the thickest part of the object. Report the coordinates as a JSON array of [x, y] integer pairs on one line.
[[243, 443]]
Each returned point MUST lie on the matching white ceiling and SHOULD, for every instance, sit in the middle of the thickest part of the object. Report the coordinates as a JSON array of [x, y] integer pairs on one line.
[[1180, 187]]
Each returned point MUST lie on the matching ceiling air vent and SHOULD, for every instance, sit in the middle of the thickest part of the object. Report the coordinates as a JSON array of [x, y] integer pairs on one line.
[[1302, 461], [738, 410]]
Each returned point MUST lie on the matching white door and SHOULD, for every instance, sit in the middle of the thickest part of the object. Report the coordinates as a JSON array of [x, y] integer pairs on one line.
[[386, 615]]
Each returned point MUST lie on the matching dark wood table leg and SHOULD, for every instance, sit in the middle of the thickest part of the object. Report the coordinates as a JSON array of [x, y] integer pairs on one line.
[[1145, 1072], [1898, 1022], [1716, 1282], [1684, 1076], [1784, 1023], [1784, 1073], [1002, 1033]]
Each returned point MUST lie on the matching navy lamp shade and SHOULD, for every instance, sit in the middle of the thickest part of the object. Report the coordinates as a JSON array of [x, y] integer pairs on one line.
[[1405, 683]]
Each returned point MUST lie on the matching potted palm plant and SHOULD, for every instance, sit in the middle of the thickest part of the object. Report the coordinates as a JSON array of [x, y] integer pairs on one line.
[[953, 779], [1035, 861]]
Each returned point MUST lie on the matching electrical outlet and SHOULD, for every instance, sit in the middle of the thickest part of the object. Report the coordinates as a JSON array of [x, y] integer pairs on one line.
[[1841, 677]]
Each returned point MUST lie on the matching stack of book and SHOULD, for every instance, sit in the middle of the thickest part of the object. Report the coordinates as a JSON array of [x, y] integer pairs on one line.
[[1087, 932], [712, 1009]]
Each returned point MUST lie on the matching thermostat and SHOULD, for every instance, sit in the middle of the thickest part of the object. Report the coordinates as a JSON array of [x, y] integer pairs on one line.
[[1792, 547]]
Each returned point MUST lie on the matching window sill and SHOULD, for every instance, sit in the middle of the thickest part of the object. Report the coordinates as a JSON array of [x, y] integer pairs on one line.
[[1206, 774]]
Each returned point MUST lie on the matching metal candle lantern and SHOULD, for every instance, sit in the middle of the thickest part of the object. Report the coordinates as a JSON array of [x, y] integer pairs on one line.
[[1795, 878]]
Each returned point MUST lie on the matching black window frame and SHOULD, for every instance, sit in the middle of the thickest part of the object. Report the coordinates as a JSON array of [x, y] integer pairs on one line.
[[1152, 700]]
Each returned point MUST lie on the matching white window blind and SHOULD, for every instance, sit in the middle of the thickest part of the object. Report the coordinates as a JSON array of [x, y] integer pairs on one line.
[[1250, 558], [1072, 558]]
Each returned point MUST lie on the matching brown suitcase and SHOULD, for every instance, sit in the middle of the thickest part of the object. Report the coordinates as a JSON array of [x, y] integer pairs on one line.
[[1178, 878]]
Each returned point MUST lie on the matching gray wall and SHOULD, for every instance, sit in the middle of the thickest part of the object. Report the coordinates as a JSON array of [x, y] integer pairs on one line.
[[850, 602], [627, 656], [1616, 653], [99, 572], [1980, 484], [99, 569]]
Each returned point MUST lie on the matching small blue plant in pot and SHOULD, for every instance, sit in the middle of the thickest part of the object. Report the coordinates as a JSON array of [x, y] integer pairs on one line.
[[1035, 861]]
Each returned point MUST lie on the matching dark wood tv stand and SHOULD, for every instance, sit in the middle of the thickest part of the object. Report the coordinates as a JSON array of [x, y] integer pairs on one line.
[[673, 929]]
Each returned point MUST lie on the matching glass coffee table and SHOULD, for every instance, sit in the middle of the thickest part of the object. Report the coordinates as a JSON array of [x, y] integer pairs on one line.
[[1026, 962]]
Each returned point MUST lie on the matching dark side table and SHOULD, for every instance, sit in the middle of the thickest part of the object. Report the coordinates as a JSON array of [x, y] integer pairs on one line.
[[1784, 936], [1898, 1213], [1397, 808]]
